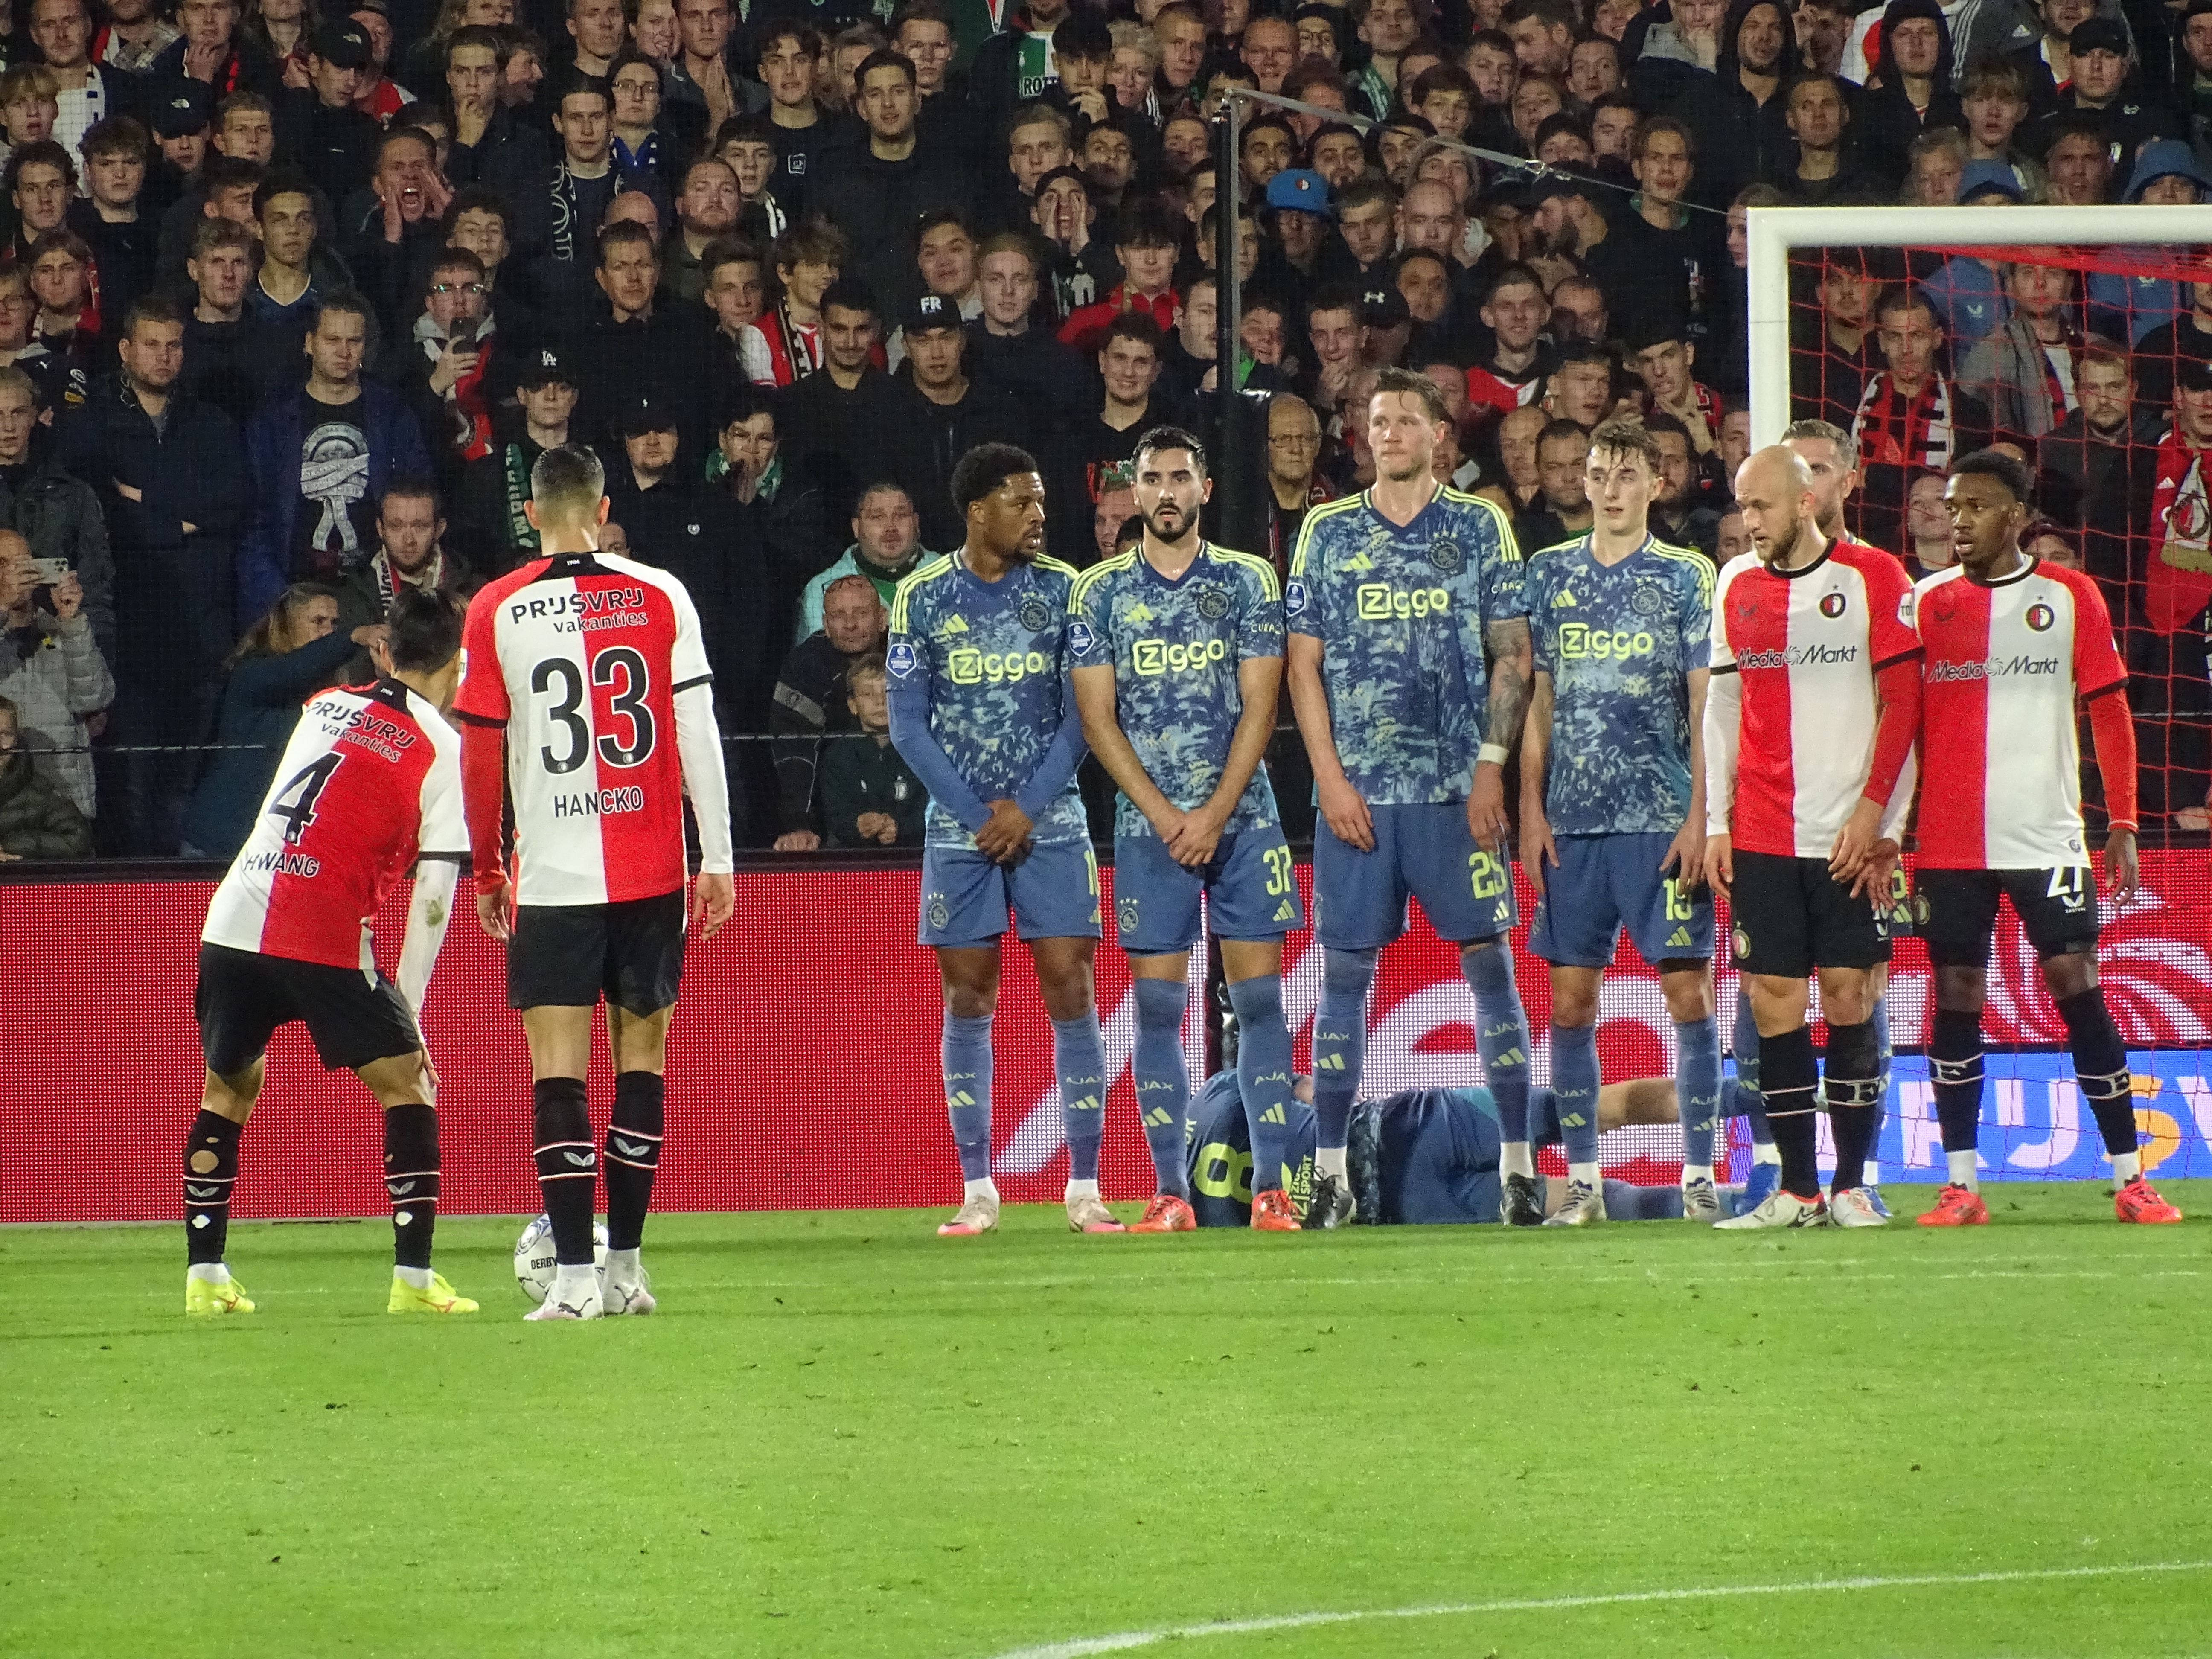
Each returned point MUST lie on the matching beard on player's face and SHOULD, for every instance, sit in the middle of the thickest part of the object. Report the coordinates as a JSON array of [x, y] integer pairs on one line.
[[1167, 519]]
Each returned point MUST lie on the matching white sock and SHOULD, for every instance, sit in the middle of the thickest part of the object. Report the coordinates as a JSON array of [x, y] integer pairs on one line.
[[1514, 1158], [1692, 1172], [1765, 1154], [1583, 1175], [418, 1276], [1081, 1189], [622, 1267], [2126, 1166], [575, 1284], [985, 1188], [209, 1272], [1329, 1161], [1962, 1170]]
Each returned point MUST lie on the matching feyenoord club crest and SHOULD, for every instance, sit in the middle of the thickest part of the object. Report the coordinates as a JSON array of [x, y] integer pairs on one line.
[[1447, 555], [1035, 614], [1833, 605], [1212, 604], [2040, 616], [1742, 942]]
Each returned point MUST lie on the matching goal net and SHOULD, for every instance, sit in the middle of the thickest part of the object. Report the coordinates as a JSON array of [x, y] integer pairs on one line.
[[2081, 339]]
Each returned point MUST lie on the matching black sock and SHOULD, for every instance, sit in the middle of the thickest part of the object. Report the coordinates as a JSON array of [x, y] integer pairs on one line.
[[410, 1180], [561, 1126], [633, 1153], [210, 1170], [1788, 1079], [2100, 1066], [1851, 1085], [1955, 1061]]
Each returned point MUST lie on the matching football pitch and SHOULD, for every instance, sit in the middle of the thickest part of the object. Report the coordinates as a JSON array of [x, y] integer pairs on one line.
[[843, 1436]]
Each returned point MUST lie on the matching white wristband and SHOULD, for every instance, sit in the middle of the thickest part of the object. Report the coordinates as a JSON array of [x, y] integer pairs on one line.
[[1490, 754]]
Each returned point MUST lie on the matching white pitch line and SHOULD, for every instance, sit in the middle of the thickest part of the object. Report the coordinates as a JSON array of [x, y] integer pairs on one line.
[[1145, 1639]]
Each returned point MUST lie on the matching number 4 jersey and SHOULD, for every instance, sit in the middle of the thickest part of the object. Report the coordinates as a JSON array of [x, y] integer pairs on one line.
[[586, 658], [370, 782]]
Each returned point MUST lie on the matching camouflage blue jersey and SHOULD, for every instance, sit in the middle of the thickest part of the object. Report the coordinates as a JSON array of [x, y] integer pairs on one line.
[[1617, 641], [1403, 616], [988, 661], [1175, 647]]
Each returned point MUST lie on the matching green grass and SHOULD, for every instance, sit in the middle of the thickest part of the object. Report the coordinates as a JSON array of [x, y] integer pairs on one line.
[[845, 1437]]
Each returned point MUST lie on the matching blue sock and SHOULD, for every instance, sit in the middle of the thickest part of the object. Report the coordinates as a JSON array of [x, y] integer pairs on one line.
[[1574, 1087], [1749, 1103], [1697, 1090], [1263, 1076], [1340, 1039], [1078, 1060], [1502, 1036], [1162, 1084], [967, 1051]]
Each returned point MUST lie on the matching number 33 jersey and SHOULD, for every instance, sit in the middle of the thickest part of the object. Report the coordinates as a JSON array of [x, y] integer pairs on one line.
[[370, 781], [580, 658]]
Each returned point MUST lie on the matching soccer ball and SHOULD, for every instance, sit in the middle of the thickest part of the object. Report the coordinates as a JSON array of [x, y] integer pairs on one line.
[[534, 1260]]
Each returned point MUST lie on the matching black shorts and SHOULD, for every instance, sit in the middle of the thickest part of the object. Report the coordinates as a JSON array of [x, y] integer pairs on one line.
[[1790, 916], [242, 997], [568, 956], [1957, 911]]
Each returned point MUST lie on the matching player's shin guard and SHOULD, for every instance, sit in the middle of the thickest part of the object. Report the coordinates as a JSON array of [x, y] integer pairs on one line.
[[1750, 1104], [2100, 1065], [1955, 1066], [1162, 1081], [1851, 1085], [632, 1155], [1502, 1038], [567, 1167], [967, 1056], [210, 1171], [1790, 1079], [1698, 1087], [1263, 1079], [1078, 1061], [1339, 1043], [410, 1180], [1574, 1091]]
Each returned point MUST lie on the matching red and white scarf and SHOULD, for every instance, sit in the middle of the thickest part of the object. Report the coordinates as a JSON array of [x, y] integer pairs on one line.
[[1892, 430]]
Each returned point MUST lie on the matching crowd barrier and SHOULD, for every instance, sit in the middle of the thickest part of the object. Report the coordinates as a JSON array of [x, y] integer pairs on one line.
[[804, 1061]]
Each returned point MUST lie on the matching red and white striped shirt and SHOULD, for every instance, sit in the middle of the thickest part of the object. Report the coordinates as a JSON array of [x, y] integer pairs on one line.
[[581, 657], [370, 782], [1806, 645], [2004, 664]]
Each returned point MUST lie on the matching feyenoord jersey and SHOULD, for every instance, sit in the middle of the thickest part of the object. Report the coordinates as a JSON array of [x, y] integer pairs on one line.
[[2004, 664], [1807, 644], [581, 657], [370, 782]]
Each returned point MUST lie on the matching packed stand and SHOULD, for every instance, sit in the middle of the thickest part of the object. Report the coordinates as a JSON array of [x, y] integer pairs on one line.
[[291, 300]]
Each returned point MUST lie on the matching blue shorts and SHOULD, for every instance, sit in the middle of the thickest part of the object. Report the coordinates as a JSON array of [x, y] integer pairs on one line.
[[1605, 882], [1424, 850], [1053, 893], [1250, 887]]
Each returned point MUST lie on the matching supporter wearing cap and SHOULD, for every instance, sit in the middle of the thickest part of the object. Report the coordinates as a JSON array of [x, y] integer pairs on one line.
[[938, 414], [318, 130], [381, 97], [178, 111], [2129, 111], [490, 523], [2129, 305]]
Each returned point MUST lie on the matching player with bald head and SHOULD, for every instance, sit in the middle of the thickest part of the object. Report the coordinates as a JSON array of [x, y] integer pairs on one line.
[[1810, 718]]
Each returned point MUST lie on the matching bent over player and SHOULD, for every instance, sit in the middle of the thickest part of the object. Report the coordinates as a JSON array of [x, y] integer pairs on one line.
[[1612, 798], [369, 784], [1409, 671], [1177, 648], [588, 696], [981, 710], [2011, 644], [1810, 717]]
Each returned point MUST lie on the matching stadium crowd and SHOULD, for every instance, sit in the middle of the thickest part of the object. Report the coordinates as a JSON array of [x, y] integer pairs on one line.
[[291, 300]]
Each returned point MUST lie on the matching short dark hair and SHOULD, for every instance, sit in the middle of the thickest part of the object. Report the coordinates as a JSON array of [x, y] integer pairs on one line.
[[597, 85], [623, 232], [850, 293], [567, 477], [983, 468], [282, 181], [1404, 382], [342, 302], [150, 308], [1083, 33], [475, 198], [476, 35], [1552, 431], [426, 626], [730, 251], [2007, 470], [1136, 326], [1169, 437], [1625, 438], [118, 135], [882, 58]]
